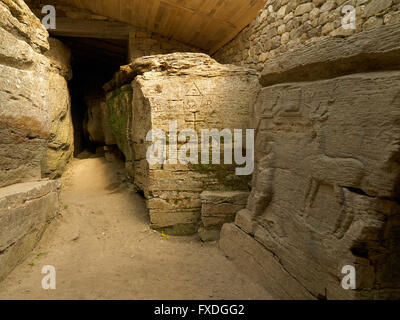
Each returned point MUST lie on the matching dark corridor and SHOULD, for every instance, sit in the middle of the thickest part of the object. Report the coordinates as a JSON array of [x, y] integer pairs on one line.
[[94, 61]]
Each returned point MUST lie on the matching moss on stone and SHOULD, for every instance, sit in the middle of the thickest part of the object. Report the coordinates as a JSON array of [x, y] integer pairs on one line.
[[119, 106]]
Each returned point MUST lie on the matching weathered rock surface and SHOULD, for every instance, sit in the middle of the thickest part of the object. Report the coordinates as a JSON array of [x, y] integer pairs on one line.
[[285, 26], [60, 146], [178, 64], [59, 56], [119, 121], [17, 19], [217, 208], [143, 43], [326, 184], [198, 93], [24, 118], [35, 130], [260, 264], [25, 211], [374, 50], [35, 121], [94, 125]]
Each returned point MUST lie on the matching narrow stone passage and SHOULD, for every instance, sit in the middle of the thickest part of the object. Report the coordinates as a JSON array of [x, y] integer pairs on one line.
[[102, 248]]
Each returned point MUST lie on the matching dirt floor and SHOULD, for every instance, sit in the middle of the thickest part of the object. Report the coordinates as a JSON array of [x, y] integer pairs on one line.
[[102, 248]]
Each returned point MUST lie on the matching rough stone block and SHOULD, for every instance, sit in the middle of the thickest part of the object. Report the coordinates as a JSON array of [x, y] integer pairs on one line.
[[17, 18], [218, 208], [260, 264], [373, 50], [25, 211], [24, 125], [198, 93], [60, 145], [322, 196]]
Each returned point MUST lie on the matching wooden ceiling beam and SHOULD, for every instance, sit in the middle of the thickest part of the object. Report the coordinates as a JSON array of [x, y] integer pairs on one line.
[[92, 29]]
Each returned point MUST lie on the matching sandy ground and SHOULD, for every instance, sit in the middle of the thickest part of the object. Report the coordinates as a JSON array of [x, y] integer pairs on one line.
[[102, 248]]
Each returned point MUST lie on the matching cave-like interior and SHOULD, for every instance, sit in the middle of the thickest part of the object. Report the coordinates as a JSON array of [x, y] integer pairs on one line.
[[94, 61]]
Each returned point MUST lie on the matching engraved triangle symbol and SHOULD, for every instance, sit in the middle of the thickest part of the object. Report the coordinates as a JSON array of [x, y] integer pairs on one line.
[[193, 91]]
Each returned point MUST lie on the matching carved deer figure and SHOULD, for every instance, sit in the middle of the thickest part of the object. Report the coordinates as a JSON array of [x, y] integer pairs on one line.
[[335, 171], [339, 173]]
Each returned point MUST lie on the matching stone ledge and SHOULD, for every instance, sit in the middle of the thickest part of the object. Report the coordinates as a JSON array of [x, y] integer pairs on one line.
[[377, 49], [180, 64], [219, 207], [260, 264], [235, 197], [25, 211]]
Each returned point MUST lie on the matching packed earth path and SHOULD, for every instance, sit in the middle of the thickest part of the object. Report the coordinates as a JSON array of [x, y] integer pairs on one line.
[[102, 247]]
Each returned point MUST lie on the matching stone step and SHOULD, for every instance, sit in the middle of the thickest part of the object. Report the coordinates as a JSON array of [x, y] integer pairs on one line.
[[25, 211]]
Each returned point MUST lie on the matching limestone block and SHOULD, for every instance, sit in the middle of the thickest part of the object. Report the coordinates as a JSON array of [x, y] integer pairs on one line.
[[94, 124], [373, 22], [392, 17], [377, 6], [60, 145], [17, 18], [325, 19], [217, 208], [198, 93], [234, 197], [332, 57], [59, 56], [24, 117], [119, 112], [208, 235], [260, 264], [25, 211], [24, 124], [19, 54], [328, 6], [303, 8], [323, 197], [244, 220]]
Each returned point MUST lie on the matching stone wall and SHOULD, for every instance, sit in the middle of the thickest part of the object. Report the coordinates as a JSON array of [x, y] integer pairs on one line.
[[142, 43], [93, 124], [25, 211], [35, 122], [119, 118], [218, 208], [60, 146], [284, 25], [198, 93], [24, 118], [33, 98], [325, 190]]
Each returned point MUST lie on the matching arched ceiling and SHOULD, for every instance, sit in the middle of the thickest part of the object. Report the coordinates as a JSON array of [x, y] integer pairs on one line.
[[205, 24]]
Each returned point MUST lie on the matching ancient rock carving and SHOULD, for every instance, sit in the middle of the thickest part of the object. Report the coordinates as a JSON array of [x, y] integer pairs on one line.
[[335, 171], [339, 173], [263, 184]]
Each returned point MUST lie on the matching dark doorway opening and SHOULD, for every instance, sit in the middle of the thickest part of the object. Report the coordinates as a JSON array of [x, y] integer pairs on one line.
[[94, 61]]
